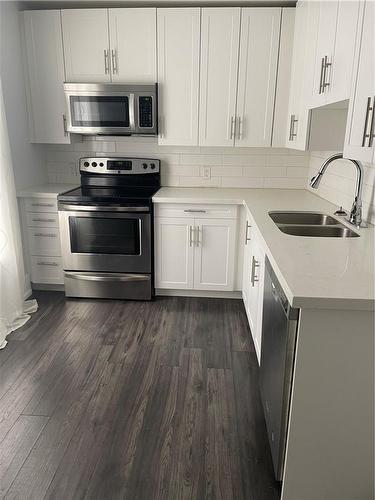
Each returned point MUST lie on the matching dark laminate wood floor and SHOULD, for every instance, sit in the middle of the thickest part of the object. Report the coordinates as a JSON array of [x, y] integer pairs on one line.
[[130, 400]]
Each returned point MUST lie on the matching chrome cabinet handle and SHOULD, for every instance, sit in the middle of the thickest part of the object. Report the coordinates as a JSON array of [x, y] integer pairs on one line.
[[43, 263], [292, 132], [326, 66], [232, 120], [114, 61], [240, 128], [43, 220], [199, 238], [46, 235], [254, 265], [191, 210], [247, 239], [64, 125], [372, 127], [191, 241], [369, 108], [42, 204], [321, 88], [106, 61]]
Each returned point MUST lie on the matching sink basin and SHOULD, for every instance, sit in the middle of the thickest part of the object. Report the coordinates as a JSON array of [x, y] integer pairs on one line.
[[339, 231], [305, 218]]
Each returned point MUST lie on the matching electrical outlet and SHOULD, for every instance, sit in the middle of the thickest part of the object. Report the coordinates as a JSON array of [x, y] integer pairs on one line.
[[206, 173]]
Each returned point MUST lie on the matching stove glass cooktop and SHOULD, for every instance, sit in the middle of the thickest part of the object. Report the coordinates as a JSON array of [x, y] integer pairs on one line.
[[108, 194]]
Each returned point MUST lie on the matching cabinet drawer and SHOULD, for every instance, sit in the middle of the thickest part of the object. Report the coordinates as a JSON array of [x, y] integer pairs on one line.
[[47, 270], [41, 205], [44, 241], [42, 220], [194, 210]]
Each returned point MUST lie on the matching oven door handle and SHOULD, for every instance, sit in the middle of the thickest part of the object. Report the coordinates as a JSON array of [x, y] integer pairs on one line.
[[92, 208], [108, 277]]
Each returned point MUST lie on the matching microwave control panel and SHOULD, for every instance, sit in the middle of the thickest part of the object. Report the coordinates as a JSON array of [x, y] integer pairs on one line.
[[145, 111]]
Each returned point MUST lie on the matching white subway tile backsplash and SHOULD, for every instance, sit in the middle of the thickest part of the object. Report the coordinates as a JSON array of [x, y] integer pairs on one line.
[[184, 166], [285, 183]]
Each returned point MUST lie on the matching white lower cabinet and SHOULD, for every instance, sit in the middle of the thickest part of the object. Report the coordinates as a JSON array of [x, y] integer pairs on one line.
[[41, 235], [194, 253], [253, 281]]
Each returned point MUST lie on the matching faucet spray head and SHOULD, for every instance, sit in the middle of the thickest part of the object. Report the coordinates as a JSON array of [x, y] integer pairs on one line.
[[315, 181]]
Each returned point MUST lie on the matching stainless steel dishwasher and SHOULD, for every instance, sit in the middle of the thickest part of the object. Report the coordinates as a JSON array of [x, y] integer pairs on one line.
[[279, 331]]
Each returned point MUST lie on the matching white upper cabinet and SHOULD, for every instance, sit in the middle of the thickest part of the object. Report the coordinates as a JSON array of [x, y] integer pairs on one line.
[[218, 76], [259, 46], [44, 73], [86, 45], [360, 136], [132, 34], [178, 75], [334, 56]]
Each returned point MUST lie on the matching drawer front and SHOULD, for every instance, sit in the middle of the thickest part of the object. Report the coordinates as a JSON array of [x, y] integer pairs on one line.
[[44, 241], [47, 270], [41, 205], [195, 210], [42, 220]]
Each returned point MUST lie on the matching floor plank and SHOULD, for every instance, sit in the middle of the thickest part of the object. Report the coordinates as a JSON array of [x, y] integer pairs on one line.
[[133, 400]]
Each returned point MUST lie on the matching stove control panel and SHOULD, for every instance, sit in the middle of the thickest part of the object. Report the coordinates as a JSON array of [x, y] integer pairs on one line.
[[119, 165]]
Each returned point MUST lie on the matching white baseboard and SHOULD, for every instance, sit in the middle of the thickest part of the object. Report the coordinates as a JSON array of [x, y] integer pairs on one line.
[[198, 293]]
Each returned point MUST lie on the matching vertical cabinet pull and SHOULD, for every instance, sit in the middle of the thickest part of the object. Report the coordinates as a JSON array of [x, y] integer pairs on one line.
[[114, 61], [195, 236], [369, 109], [231, 127], [327, 65], [240, 127], [372, 126], [321, 83], [191, 236], [64, 125], [106, 61], [254, 265], [247, 239], [292, 131]]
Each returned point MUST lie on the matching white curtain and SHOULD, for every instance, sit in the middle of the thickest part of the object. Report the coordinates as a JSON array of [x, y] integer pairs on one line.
[[13, 308]]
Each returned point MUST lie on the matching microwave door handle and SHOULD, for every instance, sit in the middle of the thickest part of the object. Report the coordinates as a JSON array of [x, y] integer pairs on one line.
[[132, 112]]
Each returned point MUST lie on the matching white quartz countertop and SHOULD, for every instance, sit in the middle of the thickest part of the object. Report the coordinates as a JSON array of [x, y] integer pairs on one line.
[[45, 190], [314, 272]]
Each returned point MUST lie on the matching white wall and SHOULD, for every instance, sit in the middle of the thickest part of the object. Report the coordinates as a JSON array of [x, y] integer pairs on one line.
[[28, 159], [338, 183], [184, 166]]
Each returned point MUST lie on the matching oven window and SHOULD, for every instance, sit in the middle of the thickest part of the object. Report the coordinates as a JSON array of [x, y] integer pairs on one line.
[[104, 235], [99, 111]]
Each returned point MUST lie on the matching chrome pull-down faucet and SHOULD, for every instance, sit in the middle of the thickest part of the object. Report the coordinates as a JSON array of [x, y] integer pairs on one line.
[[355, 216]]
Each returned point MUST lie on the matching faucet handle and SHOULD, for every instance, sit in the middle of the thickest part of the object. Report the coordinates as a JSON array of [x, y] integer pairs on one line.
[[341, 212]]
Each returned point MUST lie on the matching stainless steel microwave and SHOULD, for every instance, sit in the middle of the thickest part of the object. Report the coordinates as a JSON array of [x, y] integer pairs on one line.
[[111, 109]]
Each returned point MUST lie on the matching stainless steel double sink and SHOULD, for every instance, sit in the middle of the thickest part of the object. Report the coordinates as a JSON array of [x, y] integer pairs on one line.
[[311, 224]]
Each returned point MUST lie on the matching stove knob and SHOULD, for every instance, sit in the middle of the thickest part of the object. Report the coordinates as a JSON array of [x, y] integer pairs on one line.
[[94, 164], [144, 165], [86, 164], [152, 166], [101, 164]]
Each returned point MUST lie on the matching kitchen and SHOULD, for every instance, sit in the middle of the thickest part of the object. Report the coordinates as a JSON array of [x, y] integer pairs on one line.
[[187, 250]]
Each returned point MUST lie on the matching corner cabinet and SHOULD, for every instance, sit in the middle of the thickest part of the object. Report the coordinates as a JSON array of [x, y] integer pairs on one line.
[[360, 135], [44, 75], [253, 281], [195, 247]]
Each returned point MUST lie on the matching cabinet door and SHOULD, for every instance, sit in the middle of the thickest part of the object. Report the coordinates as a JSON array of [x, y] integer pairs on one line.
[[214, 257], [178, 75], [45, 76], [218, 80], [325, 41], [361, 118], [86, 45], [340, 78], [259, 46], [294, 128], [174, 253], [133, 45]]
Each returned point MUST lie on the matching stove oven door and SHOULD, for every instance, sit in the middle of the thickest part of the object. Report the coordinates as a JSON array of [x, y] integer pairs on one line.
[[105, 239]]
